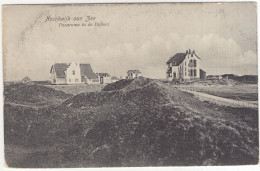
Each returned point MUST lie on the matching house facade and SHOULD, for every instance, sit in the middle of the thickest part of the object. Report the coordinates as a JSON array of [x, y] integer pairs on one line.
[[184, 66], [131, 74], [73, 73], [104, 78]]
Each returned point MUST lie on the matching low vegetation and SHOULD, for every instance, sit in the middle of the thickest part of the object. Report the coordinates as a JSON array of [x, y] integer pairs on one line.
[[140, 122], [77, 89], [33, 94]]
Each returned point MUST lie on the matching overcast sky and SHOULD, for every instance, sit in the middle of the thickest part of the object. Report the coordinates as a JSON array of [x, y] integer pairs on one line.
[[140, 37]]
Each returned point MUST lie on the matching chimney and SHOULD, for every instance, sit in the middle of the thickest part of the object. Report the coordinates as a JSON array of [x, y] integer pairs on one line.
[[186, 51], [193, 51], [189, 51]]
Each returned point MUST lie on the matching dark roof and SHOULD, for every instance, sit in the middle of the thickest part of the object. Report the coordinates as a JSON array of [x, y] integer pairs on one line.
[[134, 71], [197, 56], [103, 74], [26, 79], [177, 58], [60, 69], [86, 70]]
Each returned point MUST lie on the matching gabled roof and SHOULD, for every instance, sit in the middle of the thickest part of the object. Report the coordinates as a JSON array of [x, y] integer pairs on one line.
[[177, 59], [103, 74], [60, 69], [86, 70], [26, 79], [134, 71], [197, 56]]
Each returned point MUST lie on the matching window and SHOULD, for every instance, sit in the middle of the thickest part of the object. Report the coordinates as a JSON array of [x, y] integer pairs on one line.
[[73, 72], [192, 63], [76, 80], [174, 75], [195, 72], [191, 72], [83, 79], [191, 55]]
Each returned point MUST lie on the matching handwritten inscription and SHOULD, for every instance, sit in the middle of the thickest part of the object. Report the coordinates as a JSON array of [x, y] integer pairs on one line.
[[76, 21]]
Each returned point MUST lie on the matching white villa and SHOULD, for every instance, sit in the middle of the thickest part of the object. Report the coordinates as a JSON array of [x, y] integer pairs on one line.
[[131, 74], [73, 73], [184, 66]]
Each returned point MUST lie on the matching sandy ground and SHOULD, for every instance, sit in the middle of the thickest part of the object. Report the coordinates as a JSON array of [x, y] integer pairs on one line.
[[222, 101], [246, 92]]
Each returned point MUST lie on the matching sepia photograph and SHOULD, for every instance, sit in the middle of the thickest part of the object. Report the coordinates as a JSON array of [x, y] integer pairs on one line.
[[130, 85]]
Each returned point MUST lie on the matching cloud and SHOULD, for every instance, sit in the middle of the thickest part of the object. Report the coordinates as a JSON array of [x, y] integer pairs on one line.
[[219, 56]]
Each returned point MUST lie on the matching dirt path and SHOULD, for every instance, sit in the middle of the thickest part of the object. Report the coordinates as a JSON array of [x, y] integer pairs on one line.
[[24, 105], [222, 101]]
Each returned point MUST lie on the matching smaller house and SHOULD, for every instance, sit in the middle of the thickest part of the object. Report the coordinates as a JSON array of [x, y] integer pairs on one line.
[[104, 78], [131, 74], [26, 80]]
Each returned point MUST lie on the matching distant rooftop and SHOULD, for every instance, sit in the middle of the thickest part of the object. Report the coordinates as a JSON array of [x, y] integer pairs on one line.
[[133, 71], [104, 74]]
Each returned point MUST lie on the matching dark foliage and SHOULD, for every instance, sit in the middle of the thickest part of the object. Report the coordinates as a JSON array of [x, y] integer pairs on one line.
[[142, 123], [244, 79], [32, 94]]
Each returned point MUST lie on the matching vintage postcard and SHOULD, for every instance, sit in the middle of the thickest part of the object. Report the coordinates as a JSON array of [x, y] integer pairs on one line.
[[130, 85]]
